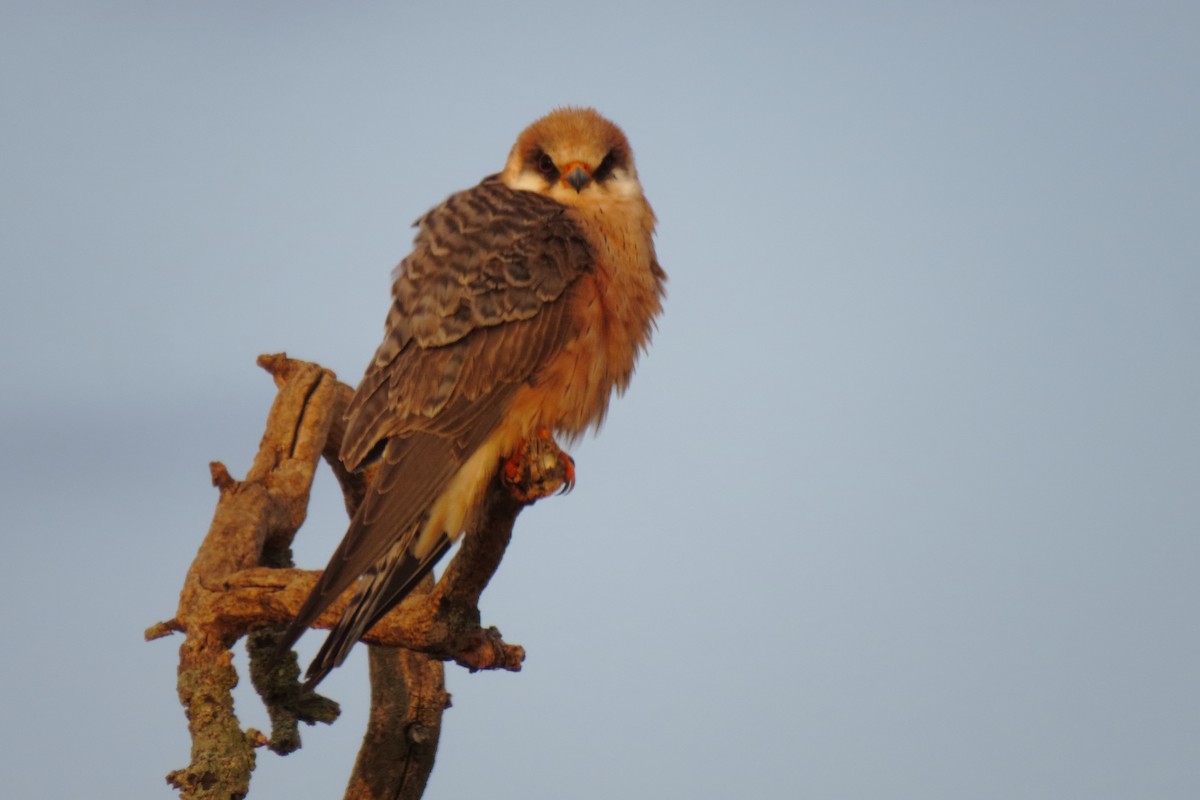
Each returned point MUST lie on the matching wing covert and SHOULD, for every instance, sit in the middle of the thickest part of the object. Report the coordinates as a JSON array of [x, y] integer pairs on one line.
[[476, 306]]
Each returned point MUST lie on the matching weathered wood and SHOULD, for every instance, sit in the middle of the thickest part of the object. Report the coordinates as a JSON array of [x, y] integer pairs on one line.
[[242, 582]]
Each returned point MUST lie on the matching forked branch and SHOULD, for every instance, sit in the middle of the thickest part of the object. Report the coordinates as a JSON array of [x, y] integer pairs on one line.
[[242, 582]]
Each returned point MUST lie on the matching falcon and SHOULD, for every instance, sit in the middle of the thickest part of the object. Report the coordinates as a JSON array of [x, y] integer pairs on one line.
[[522, 308]]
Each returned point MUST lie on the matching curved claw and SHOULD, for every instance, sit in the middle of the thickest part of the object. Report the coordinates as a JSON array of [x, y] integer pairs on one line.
[[569, 469]]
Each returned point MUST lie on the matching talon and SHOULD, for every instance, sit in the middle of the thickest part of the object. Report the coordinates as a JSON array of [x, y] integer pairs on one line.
[[537, 465], [569, 479]]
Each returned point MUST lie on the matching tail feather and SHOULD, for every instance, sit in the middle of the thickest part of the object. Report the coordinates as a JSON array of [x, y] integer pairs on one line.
[[394, 503], [378, 592]]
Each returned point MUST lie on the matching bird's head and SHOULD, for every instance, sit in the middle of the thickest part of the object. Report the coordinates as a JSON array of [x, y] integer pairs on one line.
[[574, 156]]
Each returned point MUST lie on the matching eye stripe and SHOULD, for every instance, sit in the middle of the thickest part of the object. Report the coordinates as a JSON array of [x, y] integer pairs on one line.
[[543, 164]]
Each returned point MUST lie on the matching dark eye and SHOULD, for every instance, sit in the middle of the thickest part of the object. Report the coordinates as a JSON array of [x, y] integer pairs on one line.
[[545, 165], [606, 166]]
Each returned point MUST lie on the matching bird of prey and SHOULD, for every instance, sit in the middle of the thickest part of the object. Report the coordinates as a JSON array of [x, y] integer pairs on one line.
[[522, 308]]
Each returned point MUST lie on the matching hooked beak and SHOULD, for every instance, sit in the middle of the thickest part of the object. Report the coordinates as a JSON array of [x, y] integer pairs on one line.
[[577, 176]]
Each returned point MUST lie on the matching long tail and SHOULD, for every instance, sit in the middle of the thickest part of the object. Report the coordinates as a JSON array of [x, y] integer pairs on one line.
[[380, 590], [384, 530]]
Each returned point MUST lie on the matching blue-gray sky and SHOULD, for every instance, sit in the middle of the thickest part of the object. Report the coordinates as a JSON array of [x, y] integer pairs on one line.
[[903, 503]]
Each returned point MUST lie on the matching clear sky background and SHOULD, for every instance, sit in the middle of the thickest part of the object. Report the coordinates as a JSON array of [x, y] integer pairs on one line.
[[904, 502]]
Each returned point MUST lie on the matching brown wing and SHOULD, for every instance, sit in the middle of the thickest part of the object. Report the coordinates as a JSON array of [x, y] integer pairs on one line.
[[478, 306], [483, 260]]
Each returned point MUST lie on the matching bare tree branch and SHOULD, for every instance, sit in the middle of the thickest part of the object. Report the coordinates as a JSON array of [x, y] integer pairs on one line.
[[408, 695], [243, 582]]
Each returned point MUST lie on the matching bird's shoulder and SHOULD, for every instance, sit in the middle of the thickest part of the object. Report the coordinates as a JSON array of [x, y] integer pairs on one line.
[[486, 256]]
